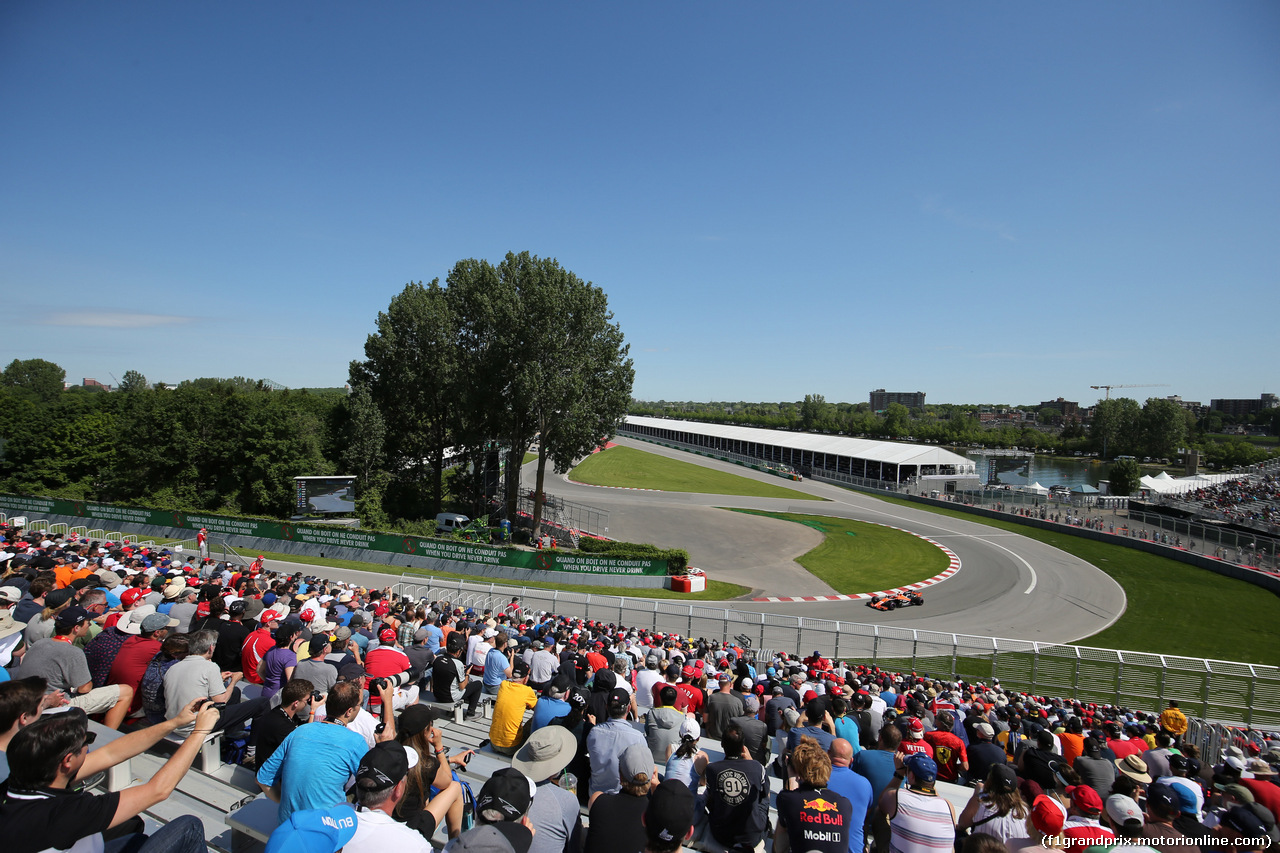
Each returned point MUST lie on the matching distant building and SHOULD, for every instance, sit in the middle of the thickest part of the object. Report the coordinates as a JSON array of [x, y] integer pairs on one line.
[[93, 383], [880, 399], [1195, 408], [1243, 408], [1070, 411]]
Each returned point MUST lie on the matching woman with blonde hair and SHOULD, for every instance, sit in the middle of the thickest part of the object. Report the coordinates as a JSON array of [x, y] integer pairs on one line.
[[808, 804]]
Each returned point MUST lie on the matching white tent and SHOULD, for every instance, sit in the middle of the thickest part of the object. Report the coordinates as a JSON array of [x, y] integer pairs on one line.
[[1036, 488]]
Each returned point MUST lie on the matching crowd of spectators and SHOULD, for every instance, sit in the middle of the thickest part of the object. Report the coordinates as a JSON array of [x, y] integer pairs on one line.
[[1254, 499], [335, 690]]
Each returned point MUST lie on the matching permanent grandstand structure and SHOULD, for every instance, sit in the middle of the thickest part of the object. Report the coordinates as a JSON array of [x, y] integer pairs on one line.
[[826, 457]]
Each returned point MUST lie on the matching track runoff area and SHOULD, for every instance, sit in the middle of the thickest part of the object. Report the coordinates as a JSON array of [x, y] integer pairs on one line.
[[997, 583]]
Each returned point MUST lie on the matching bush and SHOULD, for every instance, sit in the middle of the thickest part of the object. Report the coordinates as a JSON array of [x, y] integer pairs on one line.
[[677, 558]]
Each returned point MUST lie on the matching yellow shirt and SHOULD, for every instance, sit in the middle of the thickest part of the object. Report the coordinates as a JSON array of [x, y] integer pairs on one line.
[[508, 713]]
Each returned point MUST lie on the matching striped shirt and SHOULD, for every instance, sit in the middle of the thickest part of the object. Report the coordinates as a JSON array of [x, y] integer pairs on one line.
[[923, 824]]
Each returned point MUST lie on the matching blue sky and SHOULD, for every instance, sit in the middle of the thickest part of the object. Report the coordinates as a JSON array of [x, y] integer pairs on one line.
[[995, 202]]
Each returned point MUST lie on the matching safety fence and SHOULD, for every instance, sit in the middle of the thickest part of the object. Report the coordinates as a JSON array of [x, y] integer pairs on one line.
[[1225, 692]]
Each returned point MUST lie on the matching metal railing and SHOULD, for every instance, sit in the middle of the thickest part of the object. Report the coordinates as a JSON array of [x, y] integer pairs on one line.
[[1227, 692]]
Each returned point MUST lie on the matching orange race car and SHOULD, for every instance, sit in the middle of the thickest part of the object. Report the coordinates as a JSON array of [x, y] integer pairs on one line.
[[894, 600]]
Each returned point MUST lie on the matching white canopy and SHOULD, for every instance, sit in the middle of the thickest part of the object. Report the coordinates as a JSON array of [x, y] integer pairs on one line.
[[1035, 487]]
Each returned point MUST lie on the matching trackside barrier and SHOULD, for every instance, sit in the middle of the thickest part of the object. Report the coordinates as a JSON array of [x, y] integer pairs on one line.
[[1218, 692]]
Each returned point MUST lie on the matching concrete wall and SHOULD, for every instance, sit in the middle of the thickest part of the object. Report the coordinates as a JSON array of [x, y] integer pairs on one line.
[[252, 545]]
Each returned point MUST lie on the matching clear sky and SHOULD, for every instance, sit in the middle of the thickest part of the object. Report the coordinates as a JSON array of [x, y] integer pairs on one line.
[[995, 202]]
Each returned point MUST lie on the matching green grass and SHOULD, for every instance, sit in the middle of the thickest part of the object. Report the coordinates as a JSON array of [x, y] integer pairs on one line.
[[1173, 608], [528, 457], [715, 591], [871, 559], [1252, 439], [626, 466]]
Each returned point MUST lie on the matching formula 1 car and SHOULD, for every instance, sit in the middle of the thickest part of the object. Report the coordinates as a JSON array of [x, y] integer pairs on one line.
[[894, 600]]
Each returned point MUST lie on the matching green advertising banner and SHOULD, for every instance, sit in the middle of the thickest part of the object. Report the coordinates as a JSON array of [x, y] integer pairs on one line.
[[465, 552]]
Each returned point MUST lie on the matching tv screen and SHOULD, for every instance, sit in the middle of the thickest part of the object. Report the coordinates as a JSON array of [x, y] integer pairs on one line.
[[326, 495]]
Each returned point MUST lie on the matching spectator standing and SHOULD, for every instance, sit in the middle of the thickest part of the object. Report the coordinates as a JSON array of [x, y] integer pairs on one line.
[[754, 731], [662, 724], [232, 633], [983, 752], [948, 750], [853, 787], [811, 816], [723, 706]]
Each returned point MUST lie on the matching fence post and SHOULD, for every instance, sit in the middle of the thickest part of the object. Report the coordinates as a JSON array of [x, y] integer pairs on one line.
[[762, 630], [955, 647], [1208, 679], [1035, 664], [875, 645], [799, 631], [837, 651], [995, 658], [1160, 691], [915, 642], [620, 600], [1075, 679], [1119, 675], [689, 632], [725, 637], [1248, 708]]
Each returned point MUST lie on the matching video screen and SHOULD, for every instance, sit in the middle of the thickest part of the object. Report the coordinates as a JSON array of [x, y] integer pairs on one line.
[[326, 495]]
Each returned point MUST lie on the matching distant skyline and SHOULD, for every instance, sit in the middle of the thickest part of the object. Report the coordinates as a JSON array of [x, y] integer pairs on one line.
[[987, 203]]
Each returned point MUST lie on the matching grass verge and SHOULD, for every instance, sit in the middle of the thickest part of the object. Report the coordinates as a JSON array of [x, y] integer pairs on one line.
[[631, 468], [856, 556], [715, 591], [1169, 602]]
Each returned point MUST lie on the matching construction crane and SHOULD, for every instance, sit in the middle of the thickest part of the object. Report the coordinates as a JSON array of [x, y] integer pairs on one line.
[[1109, 387]]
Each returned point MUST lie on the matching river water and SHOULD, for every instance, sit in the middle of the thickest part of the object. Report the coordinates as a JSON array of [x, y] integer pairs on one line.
[[1045, 470]]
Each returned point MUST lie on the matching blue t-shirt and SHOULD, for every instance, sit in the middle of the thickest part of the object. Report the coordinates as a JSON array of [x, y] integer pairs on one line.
[[823, 737], [312, 767], [547, 710], [435, 637], [495, 668], [876, 766], [847, 728], [857, 790]]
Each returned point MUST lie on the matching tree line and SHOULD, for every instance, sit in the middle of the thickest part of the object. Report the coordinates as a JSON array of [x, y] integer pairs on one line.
[[499, 355]]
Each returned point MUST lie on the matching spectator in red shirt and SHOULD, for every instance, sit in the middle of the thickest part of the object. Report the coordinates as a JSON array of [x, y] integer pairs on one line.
[[131, 661], [389, 659], [914, 741], [948, 750], [258, 643], [690, 699]]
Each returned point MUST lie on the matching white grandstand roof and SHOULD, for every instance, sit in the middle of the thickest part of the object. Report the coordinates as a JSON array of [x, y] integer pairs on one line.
[[889, 452]]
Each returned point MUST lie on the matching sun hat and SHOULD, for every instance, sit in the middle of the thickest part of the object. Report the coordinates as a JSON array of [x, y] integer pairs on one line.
[[547, 752], [1135, 768]]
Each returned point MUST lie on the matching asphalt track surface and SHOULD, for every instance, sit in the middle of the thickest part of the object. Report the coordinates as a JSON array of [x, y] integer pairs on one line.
[[1008, 586]]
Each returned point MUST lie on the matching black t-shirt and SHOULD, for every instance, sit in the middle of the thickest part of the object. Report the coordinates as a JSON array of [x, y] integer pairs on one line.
[[269, 731], [815, 819], [446, 674], [231, 637], [983, 754], [737, 801], [1037, 765], [615, 824], [32, 821]]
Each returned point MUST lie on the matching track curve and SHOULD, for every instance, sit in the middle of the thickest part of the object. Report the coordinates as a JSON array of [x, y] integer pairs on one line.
[[1011, 586]]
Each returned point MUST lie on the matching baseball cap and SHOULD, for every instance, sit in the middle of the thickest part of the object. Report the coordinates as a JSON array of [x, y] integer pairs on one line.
[[1243, 820], [691, 728], [156, 621], [1125, 814], [635, 764], [385, 765], [387, 635], [314, 831], [1162, 794], [59, 597], [669, 815], [317, 643], [618, 698], [519, 669], [506, 796], [1085, 799], [72, 616], [1048, 815], [10, 594], [416, 718], [128, 598], [351, 672], [916, 727], [924, 768], [985, 729]]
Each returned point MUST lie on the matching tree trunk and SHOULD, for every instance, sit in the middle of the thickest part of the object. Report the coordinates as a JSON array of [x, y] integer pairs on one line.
[[538, 496]]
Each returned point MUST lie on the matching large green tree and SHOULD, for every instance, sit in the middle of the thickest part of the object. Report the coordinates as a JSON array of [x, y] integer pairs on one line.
[[1164, 427], [1116, 426], [409, 372], [42, 379], [1125, 476]]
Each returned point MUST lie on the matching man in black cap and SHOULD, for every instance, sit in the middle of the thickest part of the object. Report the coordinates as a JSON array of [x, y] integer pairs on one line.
[[668, 820], [381, 783], [502, 808], [64, 666]]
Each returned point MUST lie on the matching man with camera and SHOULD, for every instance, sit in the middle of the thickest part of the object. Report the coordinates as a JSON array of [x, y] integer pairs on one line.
[[387, 660], [449, 680]]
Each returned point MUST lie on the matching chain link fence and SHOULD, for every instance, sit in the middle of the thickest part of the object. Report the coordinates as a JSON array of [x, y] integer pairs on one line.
[[1225, 692]]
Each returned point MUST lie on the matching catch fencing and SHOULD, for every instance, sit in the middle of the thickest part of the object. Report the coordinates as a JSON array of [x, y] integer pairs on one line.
[[1223, 692]]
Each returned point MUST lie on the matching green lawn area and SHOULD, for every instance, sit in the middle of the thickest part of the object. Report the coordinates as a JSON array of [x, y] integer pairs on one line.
[[626, 466], [1172, 606], [859, 557], [715, 591], [528, 457]]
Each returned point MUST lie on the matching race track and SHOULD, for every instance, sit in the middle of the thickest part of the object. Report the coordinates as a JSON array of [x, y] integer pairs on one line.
[[1009, 585]]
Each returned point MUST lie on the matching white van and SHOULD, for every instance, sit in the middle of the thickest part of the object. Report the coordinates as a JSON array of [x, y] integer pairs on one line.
[[448, 522]]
